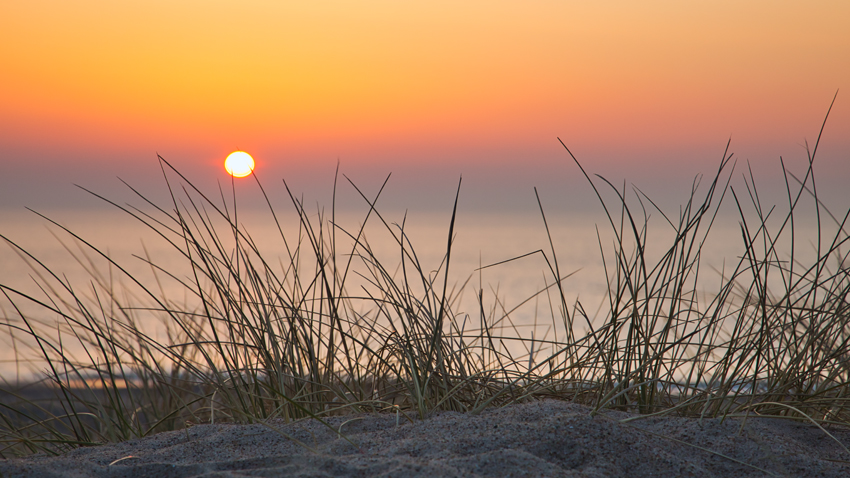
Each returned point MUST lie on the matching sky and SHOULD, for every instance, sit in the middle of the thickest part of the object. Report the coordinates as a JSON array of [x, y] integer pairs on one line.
[[645, 92]]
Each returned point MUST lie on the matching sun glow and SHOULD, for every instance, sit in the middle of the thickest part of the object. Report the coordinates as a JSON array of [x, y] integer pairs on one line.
[[239, 164]]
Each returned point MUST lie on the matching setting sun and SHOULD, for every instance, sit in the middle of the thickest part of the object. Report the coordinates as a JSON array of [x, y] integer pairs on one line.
[[239, 164]]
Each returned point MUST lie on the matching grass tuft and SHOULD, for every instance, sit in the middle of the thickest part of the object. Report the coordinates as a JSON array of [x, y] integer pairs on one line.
[[330, 329]]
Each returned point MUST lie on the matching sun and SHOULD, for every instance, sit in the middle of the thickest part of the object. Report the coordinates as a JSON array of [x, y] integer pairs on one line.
[[239, 164]]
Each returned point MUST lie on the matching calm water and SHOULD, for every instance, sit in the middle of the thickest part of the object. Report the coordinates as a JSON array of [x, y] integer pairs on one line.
[[481, 239]]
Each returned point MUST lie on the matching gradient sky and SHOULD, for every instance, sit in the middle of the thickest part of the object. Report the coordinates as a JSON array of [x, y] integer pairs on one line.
[[644, 91]]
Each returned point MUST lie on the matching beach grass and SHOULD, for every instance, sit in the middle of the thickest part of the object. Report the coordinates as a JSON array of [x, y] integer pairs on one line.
[[329, 328]]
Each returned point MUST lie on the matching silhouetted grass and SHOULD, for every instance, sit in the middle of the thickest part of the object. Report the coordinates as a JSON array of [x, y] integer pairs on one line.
[[329, 328]]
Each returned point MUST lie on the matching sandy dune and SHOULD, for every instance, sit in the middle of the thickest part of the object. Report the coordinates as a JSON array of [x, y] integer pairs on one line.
[[546, 438]]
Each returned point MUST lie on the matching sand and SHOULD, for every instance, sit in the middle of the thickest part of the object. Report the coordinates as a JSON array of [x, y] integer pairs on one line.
[[540, 439]]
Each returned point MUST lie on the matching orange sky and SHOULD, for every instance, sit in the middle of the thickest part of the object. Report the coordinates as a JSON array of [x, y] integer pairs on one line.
[[93, 89]]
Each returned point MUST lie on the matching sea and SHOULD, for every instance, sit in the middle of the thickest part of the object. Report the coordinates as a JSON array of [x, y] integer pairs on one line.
[[508, 259]]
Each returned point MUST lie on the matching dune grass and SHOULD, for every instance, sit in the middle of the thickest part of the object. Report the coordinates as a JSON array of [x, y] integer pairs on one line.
[[331, 329]]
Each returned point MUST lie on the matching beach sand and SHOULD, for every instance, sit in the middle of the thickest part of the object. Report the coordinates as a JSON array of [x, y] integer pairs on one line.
[[547, 438]]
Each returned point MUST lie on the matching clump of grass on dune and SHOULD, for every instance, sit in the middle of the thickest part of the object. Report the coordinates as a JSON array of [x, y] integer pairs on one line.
[[331, 328]]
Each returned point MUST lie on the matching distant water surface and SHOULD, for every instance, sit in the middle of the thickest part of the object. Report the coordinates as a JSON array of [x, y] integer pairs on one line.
[[480, 240]]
